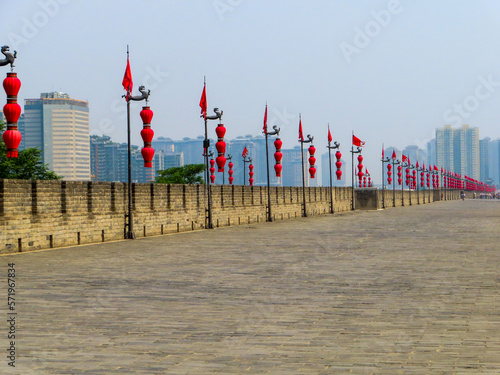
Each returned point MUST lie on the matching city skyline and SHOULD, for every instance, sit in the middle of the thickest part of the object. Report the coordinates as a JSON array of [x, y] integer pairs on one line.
[[364, 67]]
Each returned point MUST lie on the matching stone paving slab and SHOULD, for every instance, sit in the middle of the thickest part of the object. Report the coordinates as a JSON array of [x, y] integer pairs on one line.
[[410, 290]]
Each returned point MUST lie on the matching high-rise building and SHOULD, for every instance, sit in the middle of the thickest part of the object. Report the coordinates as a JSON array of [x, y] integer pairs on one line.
[[431, 153], [445, 148], [458, 150], [484, 159], [59, 126], [415, 154], [494, 159]]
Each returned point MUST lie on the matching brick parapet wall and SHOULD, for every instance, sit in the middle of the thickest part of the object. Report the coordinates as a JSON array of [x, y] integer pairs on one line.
[[45, 214]]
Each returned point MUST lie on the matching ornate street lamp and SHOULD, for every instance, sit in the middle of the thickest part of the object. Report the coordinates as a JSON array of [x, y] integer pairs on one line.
[[206, 145], [302, 141], [383, 161], [246, 159], [338, 163], [395, 162], [12, 110], [277, 156], [147, 133], [359, 144]]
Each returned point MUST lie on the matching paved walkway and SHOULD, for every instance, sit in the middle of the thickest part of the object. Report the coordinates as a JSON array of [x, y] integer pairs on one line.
[[410, 290]]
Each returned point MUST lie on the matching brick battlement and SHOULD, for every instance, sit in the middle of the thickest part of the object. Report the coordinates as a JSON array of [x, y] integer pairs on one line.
[[45, 214]]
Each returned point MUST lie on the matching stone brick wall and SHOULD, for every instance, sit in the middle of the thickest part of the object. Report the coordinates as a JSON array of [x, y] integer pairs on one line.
[[44, 214]]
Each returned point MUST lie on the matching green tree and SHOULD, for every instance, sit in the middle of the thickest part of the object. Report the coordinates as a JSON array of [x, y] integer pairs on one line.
[[187, 174], [27, 166]]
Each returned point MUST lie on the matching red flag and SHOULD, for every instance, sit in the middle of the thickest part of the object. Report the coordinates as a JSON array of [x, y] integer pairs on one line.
[[203, 102], [436, 168], [404, 158], [265, 121], [301, 135], [417, 164], [383, 152], [394, 155], [245, 152], [127, 80], [357, 142], [330, 139]]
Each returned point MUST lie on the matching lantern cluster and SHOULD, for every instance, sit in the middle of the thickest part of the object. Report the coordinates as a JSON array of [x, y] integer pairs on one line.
[[369, 181], [400, 175], [360, 168], [428, 179], [230, 172], [250, 180], [414, 179], [212, 171], [221, 147], [338, 164], [389, 173], [278, 155], [12, 112], [408, 177], [147, 136], [312, 161]]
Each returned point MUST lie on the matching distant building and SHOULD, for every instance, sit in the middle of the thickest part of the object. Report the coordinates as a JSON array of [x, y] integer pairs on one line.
[[59, 126], [431, 153], [109, 161], [458, 150], [415, 154], [494, 161], [484, 160]]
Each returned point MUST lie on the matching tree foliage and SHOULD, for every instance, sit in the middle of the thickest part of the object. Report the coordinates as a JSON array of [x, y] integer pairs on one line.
[[27, 166], [187, 174]]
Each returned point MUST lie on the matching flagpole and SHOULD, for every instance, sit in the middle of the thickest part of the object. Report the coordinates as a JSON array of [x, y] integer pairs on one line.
[[130, 231], [330, 166], [352, 174], [383, 190], [206, 145]]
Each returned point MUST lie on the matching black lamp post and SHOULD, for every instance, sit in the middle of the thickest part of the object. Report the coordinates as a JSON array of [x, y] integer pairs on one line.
[[246, 159], [384, 160], [206, 145], [308, 140], [330, 148], [358, 151], [267, 133], [394, 163]]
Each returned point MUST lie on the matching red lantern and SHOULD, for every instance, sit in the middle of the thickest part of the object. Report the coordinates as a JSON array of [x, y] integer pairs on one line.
[[389, 173], [12, 85], [12, 139], [312, 161], [212, 170], [338, 164], [147, 136], [12, 111], [278, 155], [277, 169], [147, 154], [250, 180], [221, 147], [230, 172], [369, 181], [360, 168], [146, 115]]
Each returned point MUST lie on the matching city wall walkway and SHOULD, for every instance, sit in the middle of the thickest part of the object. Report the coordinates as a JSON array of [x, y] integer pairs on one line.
[[410, 290]]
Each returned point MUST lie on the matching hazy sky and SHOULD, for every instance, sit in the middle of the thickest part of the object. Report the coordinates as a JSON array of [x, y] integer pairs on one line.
[[392, 71]]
